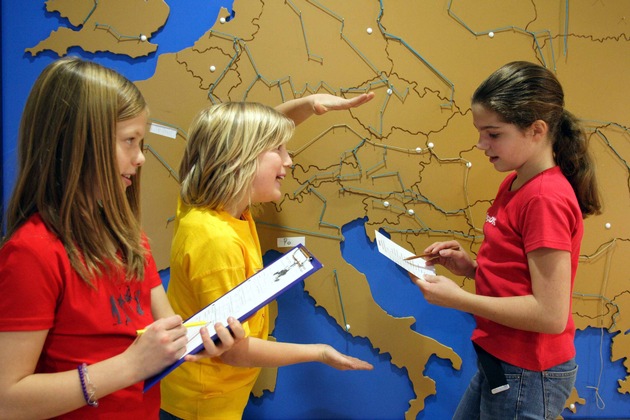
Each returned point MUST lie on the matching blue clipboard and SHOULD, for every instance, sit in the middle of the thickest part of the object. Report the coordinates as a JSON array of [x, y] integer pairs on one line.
[[247, 298]]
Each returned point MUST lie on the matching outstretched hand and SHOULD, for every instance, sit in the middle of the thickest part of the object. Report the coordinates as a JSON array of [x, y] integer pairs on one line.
[[340, 361], [301, 109], [324, 102]]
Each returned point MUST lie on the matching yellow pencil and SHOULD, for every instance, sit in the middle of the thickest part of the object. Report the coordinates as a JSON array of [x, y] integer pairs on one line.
[[186, 324]]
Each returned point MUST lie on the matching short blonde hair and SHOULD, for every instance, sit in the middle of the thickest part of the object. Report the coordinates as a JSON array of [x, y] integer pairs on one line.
[[221, 157]]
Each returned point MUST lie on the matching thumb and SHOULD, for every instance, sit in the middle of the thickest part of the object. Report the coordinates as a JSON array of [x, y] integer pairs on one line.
[[429, 278], [319, 109]]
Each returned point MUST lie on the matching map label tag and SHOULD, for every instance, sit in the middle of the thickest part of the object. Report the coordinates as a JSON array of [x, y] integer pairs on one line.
[[291, 242], [163, 130]]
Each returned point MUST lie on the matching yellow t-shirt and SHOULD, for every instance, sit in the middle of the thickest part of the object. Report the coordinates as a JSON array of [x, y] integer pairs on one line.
[[212, 252]]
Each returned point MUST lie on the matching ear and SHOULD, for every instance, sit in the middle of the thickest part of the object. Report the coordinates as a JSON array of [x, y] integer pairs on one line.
[[539, 129]]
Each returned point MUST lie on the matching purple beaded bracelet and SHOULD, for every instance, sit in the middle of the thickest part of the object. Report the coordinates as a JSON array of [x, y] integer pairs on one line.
[[87, 386]]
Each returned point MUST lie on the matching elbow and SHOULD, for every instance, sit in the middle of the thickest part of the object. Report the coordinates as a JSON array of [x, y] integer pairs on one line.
[[554, 326]]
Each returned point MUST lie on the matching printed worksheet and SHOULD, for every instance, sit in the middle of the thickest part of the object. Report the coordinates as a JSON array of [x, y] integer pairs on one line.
[[397, 254], [247, 298]]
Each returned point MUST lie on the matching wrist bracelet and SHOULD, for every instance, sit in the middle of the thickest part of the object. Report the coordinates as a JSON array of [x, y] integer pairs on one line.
[[89, 390]]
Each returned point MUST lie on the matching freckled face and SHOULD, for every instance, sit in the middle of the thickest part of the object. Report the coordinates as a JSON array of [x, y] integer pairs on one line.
[[272, 166], [129, 136]]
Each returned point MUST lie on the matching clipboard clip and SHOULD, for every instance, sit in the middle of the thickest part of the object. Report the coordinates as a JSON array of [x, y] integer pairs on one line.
[[296, 261], [306, 253]]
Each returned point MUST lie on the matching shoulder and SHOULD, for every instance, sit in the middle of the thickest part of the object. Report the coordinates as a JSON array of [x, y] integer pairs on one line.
[[553, 182], [200, 223], [551, 197], [33, 269], [205, 232], [33, 238]]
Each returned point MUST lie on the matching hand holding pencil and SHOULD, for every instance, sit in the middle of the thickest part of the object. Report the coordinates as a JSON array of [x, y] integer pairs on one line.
[[428, 256], [450, 255], [172, 330], [186, 324]]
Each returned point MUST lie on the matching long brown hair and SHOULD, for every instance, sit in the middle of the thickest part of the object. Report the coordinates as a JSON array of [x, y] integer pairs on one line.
[[68, 171], [521, 93]]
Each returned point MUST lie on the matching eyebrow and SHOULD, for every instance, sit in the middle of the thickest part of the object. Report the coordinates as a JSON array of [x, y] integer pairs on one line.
[[489, 127]]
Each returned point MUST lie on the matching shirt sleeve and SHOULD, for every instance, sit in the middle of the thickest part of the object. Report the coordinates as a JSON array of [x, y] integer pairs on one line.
[[31, 283], [547, 222]]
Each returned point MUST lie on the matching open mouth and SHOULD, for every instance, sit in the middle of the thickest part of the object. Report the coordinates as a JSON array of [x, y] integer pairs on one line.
[[127, 179]]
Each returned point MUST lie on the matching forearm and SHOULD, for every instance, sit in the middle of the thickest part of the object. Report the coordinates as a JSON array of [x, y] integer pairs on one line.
[[519, 312], [49, 395], [298, 110], [265, 353]]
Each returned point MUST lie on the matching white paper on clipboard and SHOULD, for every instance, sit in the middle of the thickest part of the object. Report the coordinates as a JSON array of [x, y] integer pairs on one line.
[[247, 298]]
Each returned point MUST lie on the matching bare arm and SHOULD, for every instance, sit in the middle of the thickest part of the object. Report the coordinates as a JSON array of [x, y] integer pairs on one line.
[[546, 310], [263, 353], [301, 109], [25, 394], [160, 306]]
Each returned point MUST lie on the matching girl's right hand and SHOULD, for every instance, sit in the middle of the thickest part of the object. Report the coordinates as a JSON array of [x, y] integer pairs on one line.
[[451, 255], [163, 343]]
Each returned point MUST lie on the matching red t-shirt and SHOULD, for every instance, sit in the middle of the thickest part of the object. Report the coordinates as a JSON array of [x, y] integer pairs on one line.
[[543, 213], [41, 291]]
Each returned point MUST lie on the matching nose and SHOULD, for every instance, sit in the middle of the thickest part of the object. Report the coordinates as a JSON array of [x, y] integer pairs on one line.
[[481, 145], [286, 159], [139, 159]]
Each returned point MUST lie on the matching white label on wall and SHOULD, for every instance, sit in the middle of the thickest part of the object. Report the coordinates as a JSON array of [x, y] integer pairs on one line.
[[291, 242], [163, 130]]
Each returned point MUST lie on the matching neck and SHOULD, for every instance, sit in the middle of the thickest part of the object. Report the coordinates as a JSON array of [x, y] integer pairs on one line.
[[523, 176]]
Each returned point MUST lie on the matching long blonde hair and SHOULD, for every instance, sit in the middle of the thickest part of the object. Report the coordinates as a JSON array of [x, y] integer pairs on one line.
[[68, 171], [221, 157]]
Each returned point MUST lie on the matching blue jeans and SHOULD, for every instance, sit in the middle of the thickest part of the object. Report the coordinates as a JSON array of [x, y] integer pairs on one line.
[[165, 415], [532, 395]]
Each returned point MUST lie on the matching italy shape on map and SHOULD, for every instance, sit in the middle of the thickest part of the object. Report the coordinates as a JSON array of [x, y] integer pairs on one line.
[[116, 26]]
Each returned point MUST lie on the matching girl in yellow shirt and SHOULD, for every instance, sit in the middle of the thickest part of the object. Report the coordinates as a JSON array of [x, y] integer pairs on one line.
[[235, 156]]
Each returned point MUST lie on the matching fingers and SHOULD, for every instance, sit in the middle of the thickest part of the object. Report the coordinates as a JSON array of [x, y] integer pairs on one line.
[[225, 339], [168, 323], [436, 247], [341, 361], [361, 99], [430, 278], [325, 102], [415, 279], [352, 363], [224, 336], [238, 332]]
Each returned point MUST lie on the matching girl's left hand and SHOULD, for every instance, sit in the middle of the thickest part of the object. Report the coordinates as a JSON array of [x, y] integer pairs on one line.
[[340, 361], [324, 102], [227, 339], [439, 290]]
